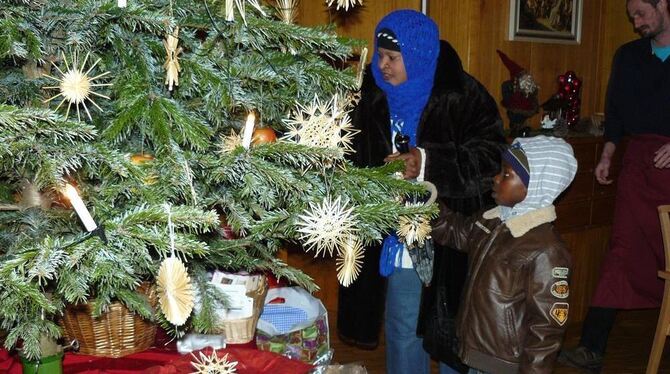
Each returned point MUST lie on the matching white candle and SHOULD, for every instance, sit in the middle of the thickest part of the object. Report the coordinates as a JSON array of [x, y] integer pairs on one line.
[[121, 3], [248, 130], [80, 208]]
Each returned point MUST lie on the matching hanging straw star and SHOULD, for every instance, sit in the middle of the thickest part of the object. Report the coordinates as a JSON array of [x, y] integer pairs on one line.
[[213, 364], [75, 85], [414, 230], [287, 10], [230, 7], [346, 4], [171, 65], [175, 291], [324, 125], [349, 261], [327, 226]]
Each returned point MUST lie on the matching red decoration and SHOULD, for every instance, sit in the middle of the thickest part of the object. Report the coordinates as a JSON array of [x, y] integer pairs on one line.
[[264, 135], [569, 87]]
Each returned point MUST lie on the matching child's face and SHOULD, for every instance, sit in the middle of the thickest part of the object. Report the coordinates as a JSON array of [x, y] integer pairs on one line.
[[508, 188]]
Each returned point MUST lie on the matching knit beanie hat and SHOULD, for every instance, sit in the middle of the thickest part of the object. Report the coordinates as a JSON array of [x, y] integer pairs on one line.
[[386, 39], [516, 157], [418, 38], [552, 167]]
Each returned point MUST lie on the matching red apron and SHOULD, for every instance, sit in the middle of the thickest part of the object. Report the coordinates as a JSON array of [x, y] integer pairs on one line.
[[628, 277]]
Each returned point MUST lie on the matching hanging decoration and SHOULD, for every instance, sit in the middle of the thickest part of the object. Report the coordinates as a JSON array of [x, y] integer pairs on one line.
[[212, 363], [414, 230], [287, 10], [171, 65], [349, 261], [75, 85], [325, 125], [345, 4], [240, 4], [175, 291], [327, 226], [229, 142]]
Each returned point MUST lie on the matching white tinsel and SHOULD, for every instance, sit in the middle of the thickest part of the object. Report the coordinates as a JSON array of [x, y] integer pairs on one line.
[[326, 226], [325, 125]]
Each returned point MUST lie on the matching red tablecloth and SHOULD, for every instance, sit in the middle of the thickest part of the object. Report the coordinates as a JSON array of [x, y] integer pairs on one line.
[[161, 361]]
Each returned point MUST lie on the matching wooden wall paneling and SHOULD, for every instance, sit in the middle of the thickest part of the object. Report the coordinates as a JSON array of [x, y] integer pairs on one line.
[[453, 20], [359, 22]]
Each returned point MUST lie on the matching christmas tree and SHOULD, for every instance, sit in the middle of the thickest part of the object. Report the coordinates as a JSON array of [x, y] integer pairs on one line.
[[142, 112]]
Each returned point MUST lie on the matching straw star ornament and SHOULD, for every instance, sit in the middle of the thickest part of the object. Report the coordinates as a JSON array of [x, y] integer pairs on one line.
[[414, 231], [213, 364], [324, 125], [240, 4], [76, 86], [327, 226], [346, 4]]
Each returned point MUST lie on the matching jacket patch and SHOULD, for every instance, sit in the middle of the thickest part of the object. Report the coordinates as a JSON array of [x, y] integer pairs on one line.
[[559, 272], [560, 289], [559, 312], [481, 226]]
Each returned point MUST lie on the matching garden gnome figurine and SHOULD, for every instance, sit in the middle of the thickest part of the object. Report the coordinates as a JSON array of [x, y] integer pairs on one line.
[[519, 95]]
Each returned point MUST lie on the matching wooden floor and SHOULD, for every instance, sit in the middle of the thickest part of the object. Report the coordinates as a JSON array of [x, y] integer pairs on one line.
[[628, 347]]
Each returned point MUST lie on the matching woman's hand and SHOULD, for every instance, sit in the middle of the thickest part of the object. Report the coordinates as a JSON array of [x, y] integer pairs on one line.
[[412, 161]]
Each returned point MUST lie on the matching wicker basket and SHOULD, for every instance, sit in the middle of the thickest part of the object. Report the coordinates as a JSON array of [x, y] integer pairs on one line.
[[116, 333], [243, 330]]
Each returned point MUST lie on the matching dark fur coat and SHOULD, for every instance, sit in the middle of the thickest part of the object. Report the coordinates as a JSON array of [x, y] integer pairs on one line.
[[462, 135]]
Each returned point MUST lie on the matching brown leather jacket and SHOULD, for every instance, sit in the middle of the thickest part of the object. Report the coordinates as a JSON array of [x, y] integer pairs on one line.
[[515, 306]]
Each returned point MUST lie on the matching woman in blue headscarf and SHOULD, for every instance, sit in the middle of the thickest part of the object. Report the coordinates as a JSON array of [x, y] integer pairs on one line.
[[416, 92]]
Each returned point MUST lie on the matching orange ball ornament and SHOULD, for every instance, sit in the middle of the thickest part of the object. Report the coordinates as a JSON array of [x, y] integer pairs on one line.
[[263, 135], [141, 158]]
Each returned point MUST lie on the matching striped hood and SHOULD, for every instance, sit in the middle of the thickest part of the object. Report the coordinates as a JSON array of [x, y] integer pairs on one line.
[[552, 167]]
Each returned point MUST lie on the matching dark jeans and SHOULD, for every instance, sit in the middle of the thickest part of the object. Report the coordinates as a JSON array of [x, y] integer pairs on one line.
[[596, 329]]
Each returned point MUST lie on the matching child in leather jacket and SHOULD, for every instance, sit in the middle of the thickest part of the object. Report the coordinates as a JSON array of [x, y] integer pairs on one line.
[[515, 307]]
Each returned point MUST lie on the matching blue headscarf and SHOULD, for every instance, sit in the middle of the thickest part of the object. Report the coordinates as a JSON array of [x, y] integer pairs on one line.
[[419, 41]]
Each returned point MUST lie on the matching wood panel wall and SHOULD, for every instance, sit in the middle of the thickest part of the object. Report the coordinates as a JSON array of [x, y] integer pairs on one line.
[[476, 28]]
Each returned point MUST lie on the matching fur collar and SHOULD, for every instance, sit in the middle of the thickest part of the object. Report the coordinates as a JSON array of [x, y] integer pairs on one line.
[[520, 225]]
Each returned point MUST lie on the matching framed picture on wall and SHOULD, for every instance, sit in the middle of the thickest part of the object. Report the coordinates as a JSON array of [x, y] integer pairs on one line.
[[546, 21]]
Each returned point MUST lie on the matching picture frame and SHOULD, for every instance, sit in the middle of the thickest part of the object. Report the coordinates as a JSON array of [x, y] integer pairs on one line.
[[546, 21]]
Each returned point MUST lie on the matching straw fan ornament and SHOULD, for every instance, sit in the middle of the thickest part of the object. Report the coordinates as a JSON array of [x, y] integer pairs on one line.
[[175, 291], [76, 86], [349, 261], [287, 10]]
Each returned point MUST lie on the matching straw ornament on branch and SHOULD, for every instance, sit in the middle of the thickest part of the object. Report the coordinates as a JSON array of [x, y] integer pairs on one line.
[[324, 125], [287, 10], [327, 226], [213, 364], [75, 85], [171, 65], [349, 261], [175, 291], [240, 4], [346, 4], [414, 230]]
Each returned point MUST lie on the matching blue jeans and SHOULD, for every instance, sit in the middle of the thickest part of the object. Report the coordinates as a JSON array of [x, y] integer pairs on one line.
[[404, 350], [475, 371]]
